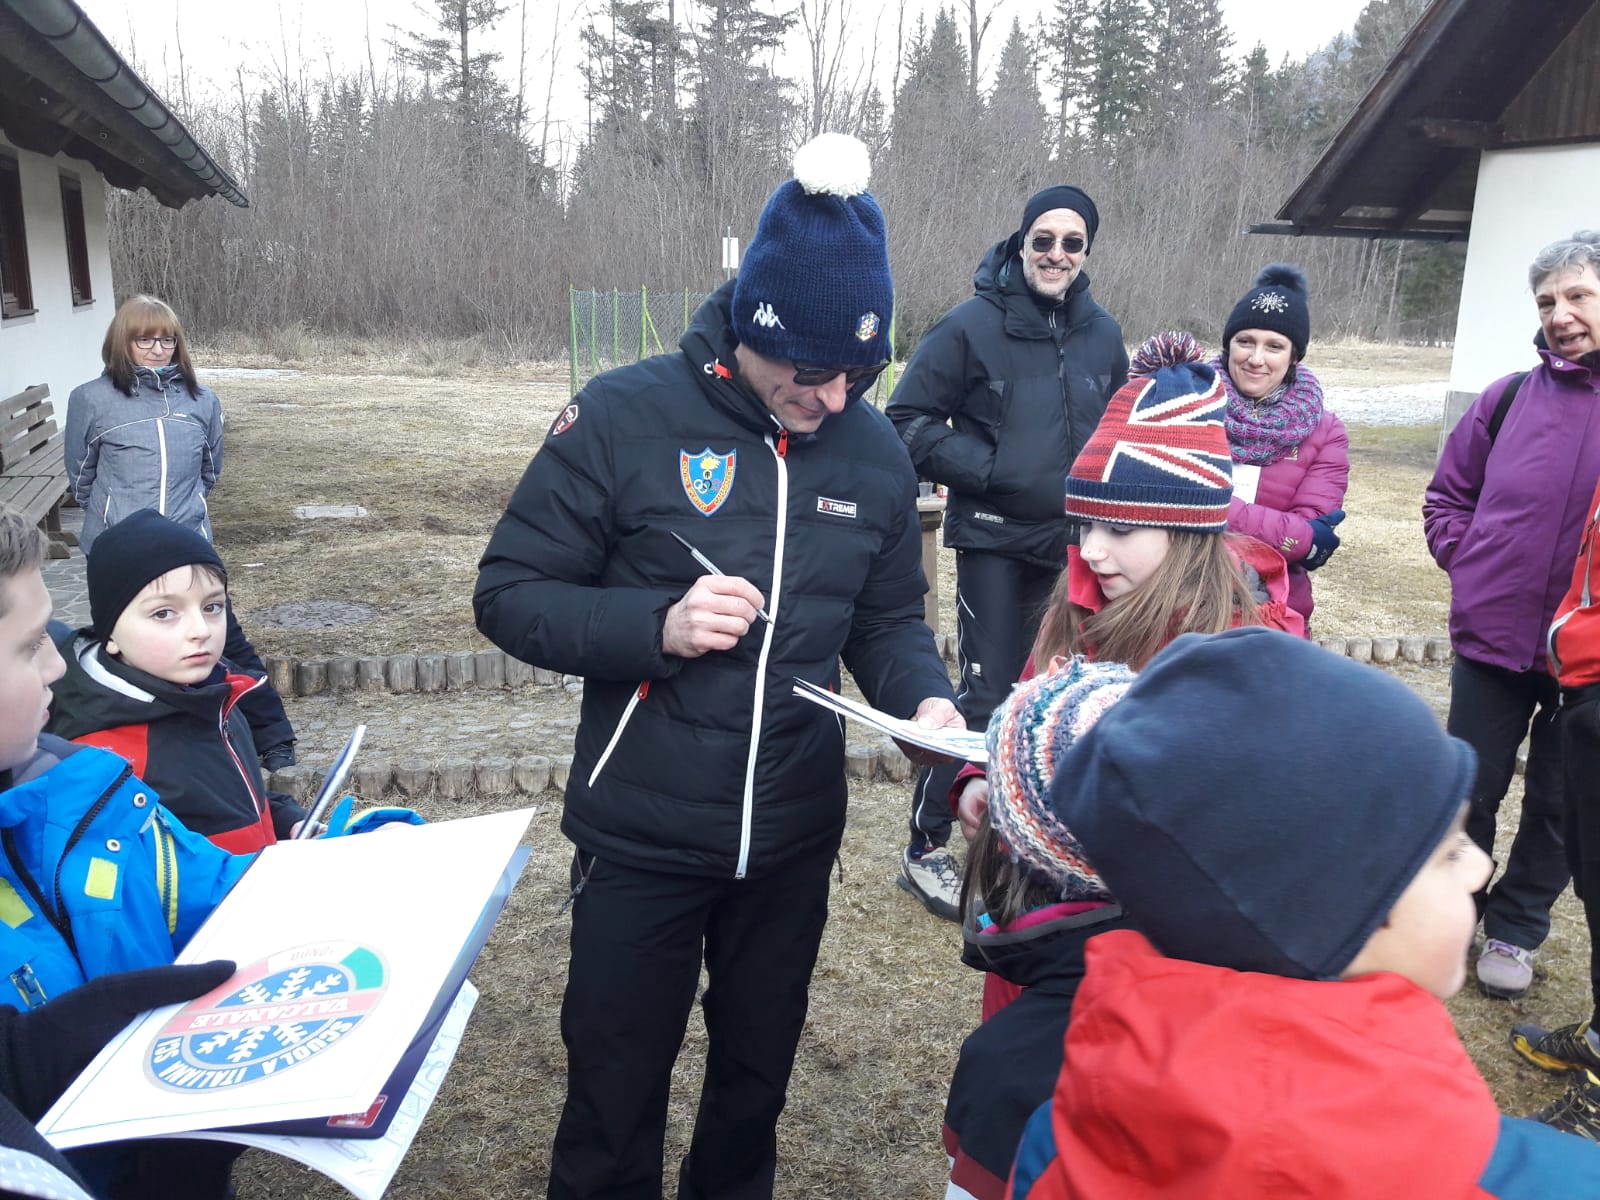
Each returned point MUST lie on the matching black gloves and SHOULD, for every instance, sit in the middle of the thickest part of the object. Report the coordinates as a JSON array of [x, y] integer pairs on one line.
[[43, 1049], [1324, 541]]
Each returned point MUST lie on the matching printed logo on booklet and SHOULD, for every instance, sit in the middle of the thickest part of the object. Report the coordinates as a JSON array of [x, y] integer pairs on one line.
[[271, 1016]]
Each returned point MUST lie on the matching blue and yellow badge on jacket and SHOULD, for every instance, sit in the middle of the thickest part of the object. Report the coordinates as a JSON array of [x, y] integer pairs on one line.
[[707, 478]]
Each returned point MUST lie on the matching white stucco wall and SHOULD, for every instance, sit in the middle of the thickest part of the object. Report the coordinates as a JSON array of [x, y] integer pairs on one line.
[[1526, 199], [58, 344]]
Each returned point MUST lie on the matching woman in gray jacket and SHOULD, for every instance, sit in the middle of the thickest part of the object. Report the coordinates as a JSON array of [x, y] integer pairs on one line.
[[146, 434]]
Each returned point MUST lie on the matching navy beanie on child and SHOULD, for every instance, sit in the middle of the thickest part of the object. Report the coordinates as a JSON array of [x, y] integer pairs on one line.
[[1278, 302], [1062, 195], [814, 286], [127, 556], [1228, 839], [1028, 735]]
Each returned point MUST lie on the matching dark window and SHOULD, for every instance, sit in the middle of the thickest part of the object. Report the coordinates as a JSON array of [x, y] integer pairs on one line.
[[77, 240], [16, 292]]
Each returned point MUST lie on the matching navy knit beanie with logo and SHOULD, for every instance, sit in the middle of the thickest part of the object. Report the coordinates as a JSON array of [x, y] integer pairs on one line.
[[141, 547], [1062, 195], [1029, 733], [1278, 302], [814, 286], [1227, 847], [1160, 455]]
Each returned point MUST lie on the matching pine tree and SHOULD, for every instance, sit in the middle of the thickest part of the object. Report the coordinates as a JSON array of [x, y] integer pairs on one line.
[[461, 73], [1120, 61], [1014, 121], [1066, 48]]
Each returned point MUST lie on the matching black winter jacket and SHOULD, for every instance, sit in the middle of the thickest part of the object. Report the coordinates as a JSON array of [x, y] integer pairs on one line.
[[710, 765], [1008, 1065], [192, 744], [997, 401]]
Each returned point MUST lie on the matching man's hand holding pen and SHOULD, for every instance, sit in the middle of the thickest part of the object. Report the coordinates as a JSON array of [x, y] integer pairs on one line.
[[713, 615]]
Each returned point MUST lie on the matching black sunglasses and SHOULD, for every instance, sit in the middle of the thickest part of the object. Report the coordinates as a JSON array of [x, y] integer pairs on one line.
[[817, 374], [1070, 243]]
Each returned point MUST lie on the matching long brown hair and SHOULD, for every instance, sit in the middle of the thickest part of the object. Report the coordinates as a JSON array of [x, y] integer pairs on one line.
[[144, 316], [992, 883], [1197, 589]]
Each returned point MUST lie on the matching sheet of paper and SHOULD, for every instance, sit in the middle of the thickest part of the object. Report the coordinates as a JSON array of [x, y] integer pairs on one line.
[[1246, 479], [364, 1166], [957, 743], [342, 946]]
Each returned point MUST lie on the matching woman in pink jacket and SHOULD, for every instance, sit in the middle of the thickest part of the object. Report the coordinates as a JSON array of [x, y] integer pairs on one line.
[[1291, 456]]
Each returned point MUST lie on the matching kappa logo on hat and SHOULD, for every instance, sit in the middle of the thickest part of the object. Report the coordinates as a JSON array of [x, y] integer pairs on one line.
[[867, 327], [765, 317]]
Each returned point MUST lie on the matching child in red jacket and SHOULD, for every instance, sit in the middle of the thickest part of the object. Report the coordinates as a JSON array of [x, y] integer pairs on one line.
[[1276, 1027]]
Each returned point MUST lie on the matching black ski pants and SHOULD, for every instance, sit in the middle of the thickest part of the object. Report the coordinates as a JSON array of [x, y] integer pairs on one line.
[[1493, 709], [999, 602], [638, 940]]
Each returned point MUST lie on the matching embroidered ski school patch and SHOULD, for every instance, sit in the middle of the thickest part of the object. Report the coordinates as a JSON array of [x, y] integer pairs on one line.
[[836, 508], [867, 327], [565, 421], [272, 1015], [707, 478]]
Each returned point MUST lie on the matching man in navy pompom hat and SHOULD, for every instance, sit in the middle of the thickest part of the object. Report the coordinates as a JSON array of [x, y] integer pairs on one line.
[[706, 801], [996, 403]]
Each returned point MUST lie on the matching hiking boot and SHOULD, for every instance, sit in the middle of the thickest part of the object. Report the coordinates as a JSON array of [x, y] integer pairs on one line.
[[1564, 1049], [1578, 1111], [1505, 972], [935, 880]]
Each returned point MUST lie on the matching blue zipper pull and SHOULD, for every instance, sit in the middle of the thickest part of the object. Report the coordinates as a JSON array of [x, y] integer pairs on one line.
[[27, 983]]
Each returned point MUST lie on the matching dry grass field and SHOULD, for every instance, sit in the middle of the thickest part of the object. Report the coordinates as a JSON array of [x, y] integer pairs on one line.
[[432, 449]]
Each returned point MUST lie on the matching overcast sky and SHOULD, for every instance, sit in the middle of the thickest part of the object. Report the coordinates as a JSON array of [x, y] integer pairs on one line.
[[218, 38]]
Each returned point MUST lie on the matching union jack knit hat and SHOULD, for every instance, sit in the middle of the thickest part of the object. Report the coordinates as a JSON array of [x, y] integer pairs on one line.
[[1159, 455]]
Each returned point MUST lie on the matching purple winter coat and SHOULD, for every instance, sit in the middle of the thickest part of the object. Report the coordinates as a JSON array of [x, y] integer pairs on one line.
[[1506, 525], [1307, 482]]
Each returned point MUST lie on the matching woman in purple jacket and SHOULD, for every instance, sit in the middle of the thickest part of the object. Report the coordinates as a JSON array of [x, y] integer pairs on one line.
[[1291, 457], [1503, 515]]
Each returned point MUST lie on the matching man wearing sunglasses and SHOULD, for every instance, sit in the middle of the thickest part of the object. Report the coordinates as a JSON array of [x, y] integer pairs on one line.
[[699, 529], [997, 401]]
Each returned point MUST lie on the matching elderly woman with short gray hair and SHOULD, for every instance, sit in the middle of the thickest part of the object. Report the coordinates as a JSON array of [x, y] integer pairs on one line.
[[1503, 516]]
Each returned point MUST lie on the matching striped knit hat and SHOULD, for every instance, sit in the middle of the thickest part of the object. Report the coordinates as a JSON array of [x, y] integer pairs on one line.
[[1160, 454], [1028, 734]]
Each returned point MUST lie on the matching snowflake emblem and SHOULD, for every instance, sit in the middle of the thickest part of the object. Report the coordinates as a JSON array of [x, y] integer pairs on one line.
[[270, 1016], [1270, 302]]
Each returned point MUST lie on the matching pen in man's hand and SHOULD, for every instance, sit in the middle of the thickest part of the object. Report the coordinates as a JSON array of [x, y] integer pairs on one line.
[[712, 567]]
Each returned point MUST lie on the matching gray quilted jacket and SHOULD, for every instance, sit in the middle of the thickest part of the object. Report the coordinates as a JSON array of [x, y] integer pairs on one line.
[[159, 448]]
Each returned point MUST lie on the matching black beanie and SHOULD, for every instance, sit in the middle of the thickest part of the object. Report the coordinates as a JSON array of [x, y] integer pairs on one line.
[[127, 556], [1278, 302], [1258, 803], [1062, 195]]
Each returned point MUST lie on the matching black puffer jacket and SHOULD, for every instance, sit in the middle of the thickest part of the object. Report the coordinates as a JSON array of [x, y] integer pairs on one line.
[[710, 765], [998, 400], [192, 744]]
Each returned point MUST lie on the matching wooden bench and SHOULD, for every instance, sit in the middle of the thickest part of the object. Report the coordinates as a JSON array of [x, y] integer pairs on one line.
[[33, 469]]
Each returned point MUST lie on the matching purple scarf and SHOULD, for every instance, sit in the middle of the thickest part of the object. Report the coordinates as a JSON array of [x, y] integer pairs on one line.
[[1263, 431]]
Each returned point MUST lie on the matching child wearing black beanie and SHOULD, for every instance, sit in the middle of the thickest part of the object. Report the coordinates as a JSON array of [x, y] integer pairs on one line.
[[1276, 1028], [147, 681]]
